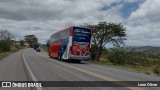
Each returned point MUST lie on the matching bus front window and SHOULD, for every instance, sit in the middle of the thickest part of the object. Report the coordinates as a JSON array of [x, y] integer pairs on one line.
[[81, 41], [81, 35]]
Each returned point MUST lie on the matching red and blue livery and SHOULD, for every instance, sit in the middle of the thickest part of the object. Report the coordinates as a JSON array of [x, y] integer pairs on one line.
[[71, 43]]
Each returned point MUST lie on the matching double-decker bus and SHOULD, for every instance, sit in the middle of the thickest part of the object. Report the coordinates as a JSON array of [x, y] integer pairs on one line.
[[73, 43]]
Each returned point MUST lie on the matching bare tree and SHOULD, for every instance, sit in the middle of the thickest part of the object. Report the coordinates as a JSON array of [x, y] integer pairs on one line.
[[6, 35], [5, 40]]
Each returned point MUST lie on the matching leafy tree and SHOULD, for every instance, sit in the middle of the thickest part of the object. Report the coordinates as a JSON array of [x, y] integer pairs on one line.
[[31, 39], [104, 33], [47, 43]]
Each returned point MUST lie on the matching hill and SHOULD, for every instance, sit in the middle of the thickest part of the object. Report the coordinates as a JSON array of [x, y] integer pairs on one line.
[[145, 49]]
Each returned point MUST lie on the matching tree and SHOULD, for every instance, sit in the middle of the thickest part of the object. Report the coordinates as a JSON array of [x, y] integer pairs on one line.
[[5, 40], [22, 42], [31, 39], [104, 33], [6, 35], [48, 43]]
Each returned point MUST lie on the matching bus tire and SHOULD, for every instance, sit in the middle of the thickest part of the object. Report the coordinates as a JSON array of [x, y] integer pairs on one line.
[[50, 55], [60, 56], [78, 61]]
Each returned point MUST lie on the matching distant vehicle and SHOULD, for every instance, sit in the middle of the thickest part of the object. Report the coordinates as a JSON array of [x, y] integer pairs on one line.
[[36, 46], [73, 43], [38, 49]]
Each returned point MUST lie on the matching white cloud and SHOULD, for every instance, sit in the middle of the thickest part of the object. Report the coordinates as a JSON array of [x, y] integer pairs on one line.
[[144, 24], [43, 18], [24, 17], [148, 11]]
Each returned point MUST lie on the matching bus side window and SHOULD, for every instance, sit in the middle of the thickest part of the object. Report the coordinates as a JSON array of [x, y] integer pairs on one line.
[[60, 36], [50, 39], [53, 38], [68, 32], [56, 37]]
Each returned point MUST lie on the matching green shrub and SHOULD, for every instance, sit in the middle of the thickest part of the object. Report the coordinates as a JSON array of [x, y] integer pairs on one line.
[[117, 55], [156, 69], [5, 46]]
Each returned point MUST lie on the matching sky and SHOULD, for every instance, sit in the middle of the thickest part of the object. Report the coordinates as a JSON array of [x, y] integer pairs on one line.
[[44, 17]]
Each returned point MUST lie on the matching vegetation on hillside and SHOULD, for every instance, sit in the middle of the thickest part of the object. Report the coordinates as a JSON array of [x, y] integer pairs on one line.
[[130, 57]]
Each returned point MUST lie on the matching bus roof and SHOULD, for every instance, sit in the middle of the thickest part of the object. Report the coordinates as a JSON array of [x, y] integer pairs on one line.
[[67, 28], [62, 30]]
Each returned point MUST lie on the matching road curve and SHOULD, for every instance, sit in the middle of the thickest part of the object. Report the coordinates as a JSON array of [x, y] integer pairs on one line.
[[28, 65]]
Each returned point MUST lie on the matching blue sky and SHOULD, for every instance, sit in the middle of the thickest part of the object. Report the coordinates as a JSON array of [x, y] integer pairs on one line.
[[126, 10], [42, 18]]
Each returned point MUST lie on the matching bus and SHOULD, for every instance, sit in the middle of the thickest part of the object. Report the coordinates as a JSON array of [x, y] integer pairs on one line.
[[72, 43]]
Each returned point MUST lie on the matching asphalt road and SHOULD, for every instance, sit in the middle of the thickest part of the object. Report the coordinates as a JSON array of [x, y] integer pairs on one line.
[[28, 65]]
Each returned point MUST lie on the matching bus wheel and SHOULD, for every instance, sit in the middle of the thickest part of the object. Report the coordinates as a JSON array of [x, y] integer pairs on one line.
[[50, 55], [78, 61], [60, 56]]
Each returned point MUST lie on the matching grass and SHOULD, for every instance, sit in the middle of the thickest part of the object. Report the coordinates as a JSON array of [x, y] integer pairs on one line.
[[4, 54], [146, 70], [45, 49]]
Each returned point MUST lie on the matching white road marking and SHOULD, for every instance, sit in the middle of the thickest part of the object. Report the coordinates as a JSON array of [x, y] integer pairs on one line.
[[30, 72]]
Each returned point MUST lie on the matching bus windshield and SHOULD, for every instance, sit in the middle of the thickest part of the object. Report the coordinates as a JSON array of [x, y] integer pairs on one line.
[[81, 35]]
